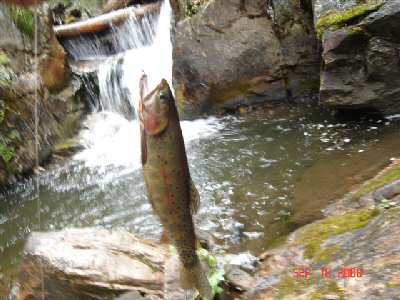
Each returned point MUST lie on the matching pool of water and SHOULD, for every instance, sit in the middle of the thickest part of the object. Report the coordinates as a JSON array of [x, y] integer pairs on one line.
[[259, 177]]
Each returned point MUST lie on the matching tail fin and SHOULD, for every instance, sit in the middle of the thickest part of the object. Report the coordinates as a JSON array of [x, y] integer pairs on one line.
[[196, 278]]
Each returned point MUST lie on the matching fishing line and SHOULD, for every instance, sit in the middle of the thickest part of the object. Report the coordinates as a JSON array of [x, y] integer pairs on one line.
[[36, 113]]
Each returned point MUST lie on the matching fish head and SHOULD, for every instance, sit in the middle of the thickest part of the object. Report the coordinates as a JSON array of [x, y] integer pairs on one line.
[[154, 109]]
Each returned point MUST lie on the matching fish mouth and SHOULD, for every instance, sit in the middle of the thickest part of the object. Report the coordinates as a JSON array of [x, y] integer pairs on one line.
[[153, 112]]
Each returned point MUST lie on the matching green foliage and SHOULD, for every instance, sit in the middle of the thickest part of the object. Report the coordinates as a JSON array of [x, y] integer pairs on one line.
[[6, 153], [315, 234], [215, 274], [193, 7], [334, 20], [24, 19]]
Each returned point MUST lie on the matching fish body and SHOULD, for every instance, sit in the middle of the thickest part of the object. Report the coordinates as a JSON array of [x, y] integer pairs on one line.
[[170, 188]]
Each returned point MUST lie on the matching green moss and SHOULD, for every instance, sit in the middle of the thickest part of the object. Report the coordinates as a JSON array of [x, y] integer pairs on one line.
[[387, 177], [329, 288], [289, 285], [393, 285], [4, 60], [6, 153], [326, 254], [334, 20], [310, 85], [315, 234], [24, 19], [69, 145], [2, 114], [275, 243]]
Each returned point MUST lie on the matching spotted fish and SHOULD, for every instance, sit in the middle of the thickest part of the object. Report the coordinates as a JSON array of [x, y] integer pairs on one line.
[[171, 191]]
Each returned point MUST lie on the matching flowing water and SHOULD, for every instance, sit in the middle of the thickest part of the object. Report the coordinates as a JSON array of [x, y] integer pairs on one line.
[[259, 176]]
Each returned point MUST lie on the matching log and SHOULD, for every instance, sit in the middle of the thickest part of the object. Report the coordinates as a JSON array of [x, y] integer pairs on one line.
[[103, 22]]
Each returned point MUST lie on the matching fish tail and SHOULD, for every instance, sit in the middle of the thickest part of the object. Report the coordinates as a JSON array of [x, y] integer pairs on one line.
[[196, 278]]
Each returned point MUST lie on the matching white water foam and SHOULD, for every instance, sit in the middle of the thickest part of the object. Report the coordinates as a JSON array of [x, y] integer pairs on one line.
[[110, 139], [112, 135]]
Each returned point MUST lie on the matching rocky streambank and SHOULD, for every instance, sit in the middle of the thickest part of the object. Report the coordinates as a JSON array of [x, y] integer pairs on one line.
[[351, 253], [231, 52], [58, 95], [93, 263]]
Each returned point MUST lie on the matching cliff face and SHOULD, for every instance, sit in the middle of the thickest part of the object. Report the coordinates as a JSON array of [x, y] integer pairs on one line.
[[360, 59], [58, 108], [231, 51]]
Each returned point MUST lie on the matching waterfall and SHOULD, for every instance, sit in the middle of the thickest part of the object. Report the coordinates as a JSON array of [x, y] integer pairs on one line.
[[111, 135]]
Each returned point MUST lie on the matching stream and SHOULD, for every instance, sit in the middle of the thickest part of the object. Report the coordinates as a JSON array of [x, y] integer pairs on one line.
[[259, 175]]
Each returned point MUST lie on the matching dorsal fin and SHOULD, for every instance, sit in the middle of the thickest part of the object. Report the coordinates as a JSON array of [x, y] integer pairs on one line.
[[194, 198]]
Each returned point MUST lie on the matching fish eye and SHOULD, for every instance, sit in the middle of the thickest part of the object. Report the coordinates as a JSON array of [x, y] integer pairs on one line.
[[163, 96]]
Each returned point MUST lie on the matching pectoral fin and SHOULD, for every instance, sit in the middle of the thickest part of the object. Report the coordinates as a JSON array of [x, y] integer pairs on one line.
[[194, 198]]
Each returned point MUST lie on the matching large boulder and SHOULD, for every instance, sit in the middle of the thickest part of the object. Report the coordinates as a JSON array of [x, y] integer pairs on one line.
[[233, 51], [90, 264], [101, 264], [361, 47], [58, 94]]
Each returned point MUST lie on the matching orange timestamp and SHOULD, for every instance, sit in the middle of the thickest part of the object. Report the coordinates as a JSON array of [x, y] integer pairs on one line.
[[341, 273]]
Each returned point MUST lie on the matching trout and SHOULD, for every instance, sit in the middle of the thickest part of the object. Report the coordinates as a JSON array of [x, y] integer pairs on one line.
[[172, 194]]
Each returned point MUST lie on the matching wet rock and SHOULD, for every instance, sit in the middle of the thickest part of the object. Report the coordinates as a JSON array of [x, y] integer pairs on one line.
[[356, 249], [245, 261], [58, 96], [54, 69], [388, 191], [233, 52], [90, 264], [238, 278], [96, 264], [360, 45]]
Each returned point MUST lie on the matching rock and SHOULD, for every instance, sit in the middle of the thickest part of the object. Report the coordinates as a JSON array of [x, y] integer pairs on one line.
[[238, 278], [54, 68], [58, 95], [356, 249], [101, 264], [360, 45], [388, 191], [245, 261], [90, 264], [232, 51]]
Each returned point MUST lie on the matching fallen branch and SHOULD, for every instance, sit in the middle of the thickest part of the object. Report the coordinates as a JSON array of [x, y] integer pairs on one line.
[[103, 22]]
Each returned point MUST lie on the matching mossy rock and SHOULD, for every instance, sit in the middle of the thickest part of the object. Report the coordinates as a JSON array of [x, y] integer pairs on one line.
[[315, 234], [387, 177], [67, 147], [24, 19], [290, 285], [334, 20], [329, 288]]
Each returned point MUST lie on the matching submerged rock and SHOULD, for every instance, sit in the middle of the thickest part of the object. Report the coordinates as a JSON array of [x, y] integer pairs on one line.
[[360, 44], [234, 51]]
